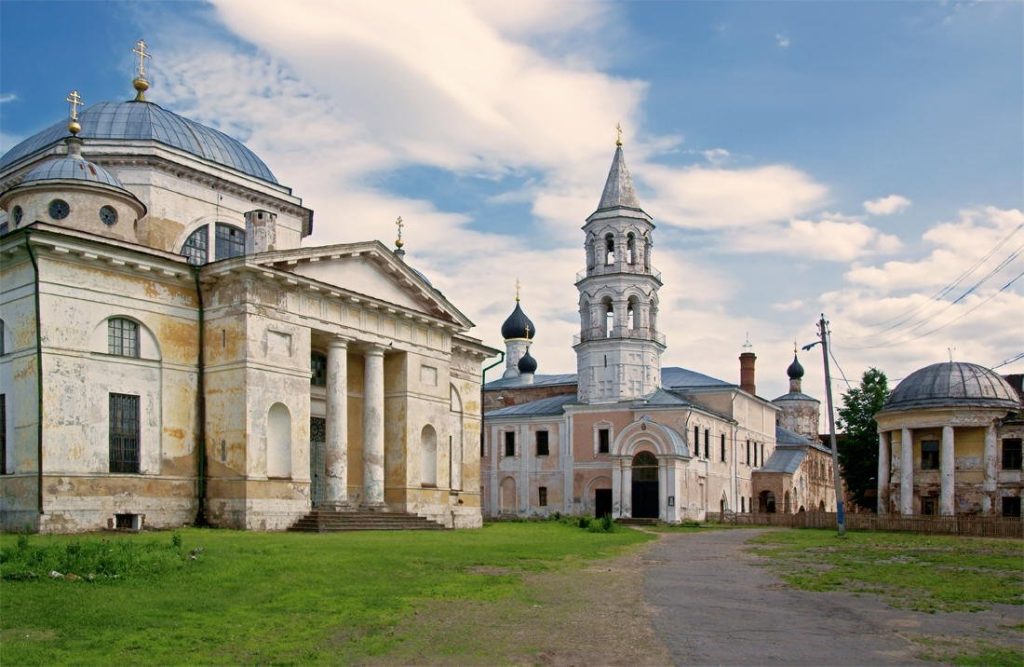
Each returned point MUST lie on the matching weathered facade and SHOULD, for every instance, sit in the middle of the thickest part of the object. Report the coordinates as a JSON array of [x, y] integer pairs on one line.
[[949, 442], [169, 350]]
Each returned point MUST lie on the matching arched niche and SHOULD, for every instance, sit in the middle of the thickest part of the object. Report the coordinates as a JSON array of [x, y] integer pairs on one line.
[[279, 441], [428, 456]]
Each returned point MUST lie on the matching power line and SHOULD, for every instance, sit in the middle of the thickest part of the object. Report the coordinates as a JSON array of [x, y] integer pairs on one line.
[[1007, 362]]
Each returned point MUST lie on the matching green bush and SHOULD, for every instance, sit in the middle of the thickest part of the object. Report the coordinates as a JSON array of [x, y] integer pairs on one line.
[[583, 522]]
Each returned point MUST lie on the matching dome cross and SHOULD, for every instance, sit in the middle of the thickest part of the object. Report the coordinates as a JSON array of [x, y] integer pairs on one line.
[[140, 51]]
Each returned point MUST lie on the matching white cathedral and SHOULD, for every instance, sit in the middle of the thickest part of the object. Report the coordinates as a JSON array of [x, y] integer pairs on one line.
[[170, 352]]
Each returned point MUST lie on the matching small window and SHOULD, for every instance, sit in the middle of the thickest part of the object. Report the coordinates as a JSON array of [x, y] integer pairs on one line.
[[483, 447], [59, 209], [743, 503], [122, 337], [318, 369], [542, 443], [696, 441], [723, 448], [196, 246], [707, 444], [230, 241], [16, 215], [1012, 456], [603, 441], [124, 433], [510, 443], [108, 215], [761, 458], [929, 455], [3, 434], [748, 453], [929, 506], [542, 496], [1011, 506]]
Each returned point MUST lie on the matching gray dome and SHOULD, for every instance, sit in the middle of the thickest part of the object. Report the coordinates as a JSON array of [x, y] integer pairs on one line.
[[145, 121], [71, 169], [952, 384], [516, 324]]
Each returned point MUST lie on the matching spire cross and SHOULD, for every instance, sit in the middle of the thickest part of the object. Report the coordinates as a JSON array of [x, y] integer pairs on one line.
[[794, 348], [400, 224], [517, 290], [140, 51], [75, 100], [618, 134]]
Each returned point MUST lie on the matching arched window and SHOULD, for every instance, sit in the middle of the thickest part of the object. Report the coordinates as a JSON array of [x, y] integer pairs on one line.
[[653, 317], [647, 252], [228, 241], [428, 456], [318, 369], [631, 248], [633, 313], [609, 249], [590, 252], [122, 337], [279, 441], [585, 317], [196, 246], [609, 317]]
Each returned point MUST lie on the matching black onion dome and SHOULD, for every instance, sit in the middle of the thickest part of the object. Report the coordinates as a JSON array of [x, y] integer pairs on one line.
[[527, 364], [795, 370], [952, 384], [518, 325]]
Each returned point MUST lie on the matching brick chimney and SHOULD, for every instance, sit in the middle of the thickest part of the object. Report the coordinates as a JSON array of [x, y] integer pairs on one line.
[[747, 384], [260, 231]]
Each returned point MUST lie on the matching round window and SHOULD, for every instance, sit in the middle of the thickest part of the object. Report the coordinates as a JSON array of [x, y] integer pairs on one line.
[[16, 215], [59, 209], [108, 214]]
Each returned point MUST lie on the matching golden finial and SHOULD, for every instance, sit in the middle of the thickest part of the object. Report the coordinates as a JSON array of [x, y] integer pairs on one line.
[[398, 223], [794, 348], [139, 82], [75, 100], [618, 134], [517, 290]]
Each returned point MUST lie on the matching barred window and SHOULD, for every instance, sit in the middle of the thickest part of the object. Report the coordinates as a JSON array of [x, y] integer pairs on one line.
[[318, 369], [123, 337], [124, 433], [230, 241], [196, 246]]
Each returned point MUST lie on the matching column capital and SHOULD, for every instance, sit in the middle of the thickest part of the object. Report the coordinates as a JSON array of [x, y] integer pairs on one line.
[[339, 341], [373, 349]]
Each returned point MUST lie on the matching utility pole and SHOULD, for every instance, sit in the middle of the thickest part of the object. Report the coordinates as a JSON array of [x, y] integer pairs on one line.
[[823, 334]]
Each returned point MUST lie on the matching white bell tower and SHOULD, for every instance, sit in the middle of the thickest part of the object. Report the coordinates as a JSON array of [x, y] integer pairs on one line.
[[618, 349]]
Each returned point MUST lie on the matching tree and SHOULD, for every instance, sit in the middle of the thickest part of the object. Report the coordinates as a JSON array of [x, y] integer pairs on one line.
[[858, 453]]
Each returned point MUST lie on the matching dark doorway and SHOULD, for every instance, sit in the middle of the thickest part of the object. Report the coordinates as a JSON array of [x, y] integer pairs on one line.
[[602, 502], [645, 486], [766, 502], [317, 468]]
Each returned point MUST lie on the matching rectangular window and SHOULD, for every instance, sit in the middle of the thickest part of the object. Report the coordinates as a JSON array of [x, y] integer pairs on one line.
[[761, 459], [1012, 454], [123, 337], [510, 443], [318, 369], [929, 505], [723, 448], [929, 455], [743, 504], [748, 452], [542, 443], [696, 441], [3, 434], [707, 444], [483, 449], [542, 496], [124, 433], [1011, 506], [603, 441], [230, 241]]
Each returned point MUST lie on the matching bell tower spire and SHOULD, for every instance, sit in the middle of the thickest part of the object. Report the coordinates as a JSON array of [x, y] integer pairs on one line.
[[618, 349]]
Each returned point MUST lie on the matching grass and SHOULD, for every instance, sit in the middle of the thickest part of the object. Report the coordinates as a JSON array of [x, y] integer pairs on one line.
[[919, 572], [262, 598]]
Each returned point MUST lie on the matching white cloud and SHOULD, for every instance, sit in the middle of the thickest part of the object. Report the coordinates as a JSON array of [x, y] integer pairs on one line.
[[886, 205], [834, 238], [789, 306], [716, 156], [7, 97], [782, 40]]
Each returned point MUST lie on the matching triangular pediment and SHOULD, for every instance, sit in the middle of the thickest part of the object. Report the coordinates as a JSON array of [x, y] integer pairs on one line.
[[369, 270]]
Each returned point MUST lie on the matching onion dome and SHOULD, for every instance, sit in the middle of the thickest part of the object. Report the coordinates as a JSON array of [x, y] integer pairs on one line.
[[527, 364], [145, 121], [518, 325], [953, 384], [795, 370]]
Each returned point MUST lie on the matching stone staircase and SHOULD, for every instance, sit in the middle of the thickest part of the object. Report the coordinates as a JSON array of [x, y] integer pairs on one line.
[[330, 521]]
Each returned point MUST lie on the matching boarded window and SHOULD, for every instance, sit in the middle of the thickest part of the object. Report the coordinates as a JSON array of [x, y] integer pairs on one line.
[[122, 337], [510, 443], [1012, 454], [929, 455], [124, 433], [603, 441], [542, 443]]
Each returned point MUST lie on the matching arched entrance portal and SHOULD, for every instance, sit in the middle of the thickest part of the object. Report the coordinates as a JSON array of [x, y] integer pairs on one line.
[[645, 486], [766, 502]]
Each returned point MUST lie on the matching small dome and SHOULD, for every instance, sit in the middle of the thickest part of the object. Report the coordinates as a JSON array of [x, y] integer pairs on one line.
[[71, 169], [527, 364], [952, 384], [518, 325], [795, 370]]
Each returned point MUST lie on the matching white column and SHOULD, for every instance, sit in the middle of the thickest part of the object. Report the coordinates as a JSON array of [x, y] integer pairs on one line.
[[494, 439], [883, 472], [627, 489], [663, 491], [373, 427], [336, 456], [988, 501], [617, 488], [947, 466], [906, 471]]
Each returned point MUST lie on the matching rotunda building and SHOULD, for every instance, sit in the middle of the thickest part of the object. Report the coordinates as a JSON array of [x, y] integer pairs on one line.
[[950, 443]]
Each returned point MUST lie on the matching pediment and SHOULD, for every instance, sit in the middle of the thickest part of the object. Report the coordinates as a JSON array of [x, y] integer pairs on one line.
[[369, 270]]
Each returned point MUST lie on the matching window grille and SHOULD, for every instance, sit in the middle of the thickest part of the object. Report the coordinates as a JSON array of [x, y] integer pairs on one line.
[[196, 246], [124, 433], [230, 241], [123, 337]]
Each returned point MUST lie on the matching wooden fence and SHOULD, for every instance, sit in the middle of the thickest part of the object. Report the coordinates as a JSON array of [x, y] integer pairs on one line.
[[976, 526]]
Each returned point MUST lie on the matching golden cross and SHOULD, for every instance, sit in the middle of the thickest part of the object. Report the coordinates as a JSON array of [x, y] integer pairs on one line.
[[527, 330], [517, 290], [76, 101], [618, 134], [400, 225], [140, 51]]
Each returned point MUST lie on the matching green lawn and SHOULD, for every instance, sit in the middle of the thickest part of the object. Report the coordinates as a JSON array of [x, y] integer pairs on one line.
[[261, 598], [920, 572]]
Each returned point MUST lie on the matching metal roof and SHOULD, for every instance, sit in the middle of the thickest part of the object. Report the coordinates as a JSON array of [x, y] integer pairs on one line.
[[784, 460], [538, 381], [543, 407], [952, 384], [147, 121], [795, 396], [680, 378], [71, 169], [618, 189]]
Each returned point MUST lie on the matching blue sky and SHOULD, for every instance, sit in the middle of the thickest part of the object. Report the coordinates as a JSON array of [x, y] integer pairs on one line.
[[852, 158]]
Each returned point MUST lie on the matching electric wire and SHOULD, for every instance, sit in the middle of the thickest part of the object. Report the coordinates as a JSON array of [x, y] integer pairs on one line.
[[1007, 362]]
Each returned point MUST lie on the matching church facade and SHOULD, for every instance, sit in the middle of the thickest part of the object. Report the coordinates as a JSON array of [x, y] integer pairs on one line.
[[171, 352]]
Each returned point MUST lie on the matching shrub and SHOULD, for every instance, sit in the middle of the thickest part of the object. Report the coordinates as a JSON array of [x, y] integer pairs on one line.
[[90, 558], [583, 522]]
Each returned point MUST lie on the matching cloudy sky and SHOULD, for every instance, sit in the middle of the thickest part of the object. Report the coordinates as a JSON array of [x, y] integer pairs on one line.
[[864, 160]]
